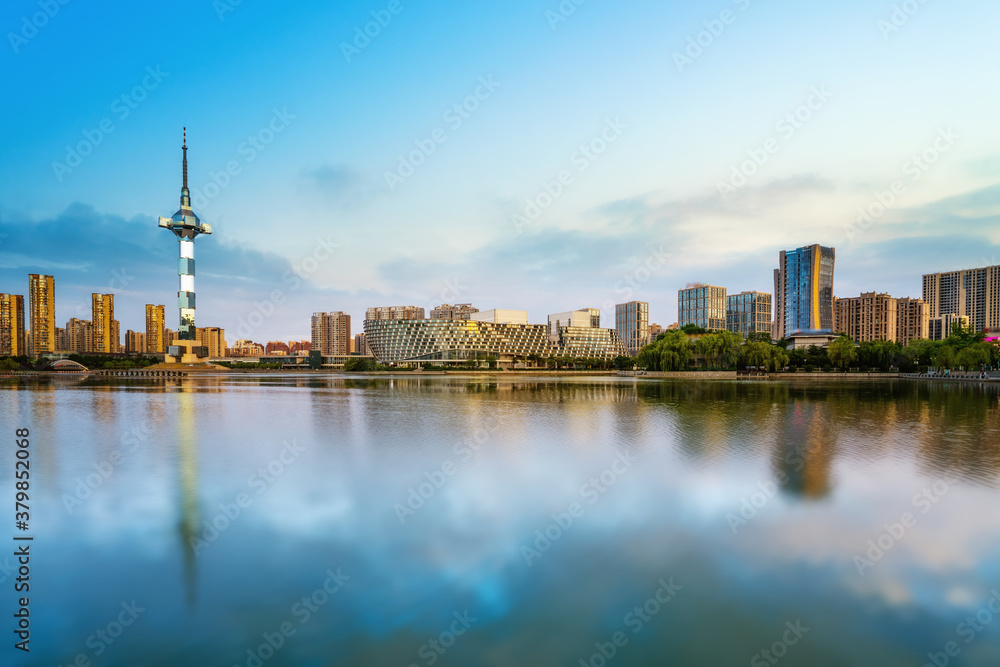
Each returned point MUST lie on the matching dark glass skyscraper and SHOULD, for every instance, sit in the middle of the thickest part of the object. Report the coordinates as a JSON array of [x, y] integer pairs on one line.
[[803, 291]]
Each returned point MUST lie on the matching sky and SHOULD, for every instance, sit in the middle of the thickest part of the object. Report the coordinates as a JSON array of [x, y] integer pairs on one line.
[[540, 156]]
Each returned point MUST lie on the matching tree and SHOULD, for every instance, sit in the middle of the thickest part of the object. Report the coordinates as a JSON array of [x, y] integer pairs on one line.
[[842, 352], [944, 357]]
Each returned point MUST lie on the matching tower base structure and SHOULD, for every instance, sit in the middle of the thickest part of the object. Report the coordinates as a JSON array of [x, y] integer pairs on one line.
[[186, 352]]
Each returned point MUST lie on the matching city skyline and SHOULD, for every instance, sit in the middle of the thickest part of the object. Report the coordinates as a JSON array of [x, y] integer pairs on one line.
[[845, 123]]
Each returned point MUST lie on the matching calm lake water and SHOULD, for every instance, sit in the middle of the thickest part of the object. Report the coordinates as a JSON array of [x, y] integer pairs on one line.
[[459, 521]]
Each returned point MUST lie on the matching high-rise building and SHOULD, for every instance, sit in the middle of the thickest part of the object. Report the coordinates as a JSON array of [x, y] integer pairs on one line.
[[941, 327], [42, 303], [446, 311], [360, 344], [632, 325], [972, 293], [103, 319], [395, 313], [595, 317], [12, 334], [135, 342], [703, 306], [155, 329], [12, 342], [79, 336], [868, 317], [803, 291], [654, 331], [912, 320], [116, 338], [748, 312], [331, 333], [213, 338]]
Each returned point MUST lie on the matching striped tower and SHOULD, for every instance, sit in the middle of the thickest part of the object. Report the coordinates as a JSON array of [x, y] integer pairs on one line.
[[186, 226]]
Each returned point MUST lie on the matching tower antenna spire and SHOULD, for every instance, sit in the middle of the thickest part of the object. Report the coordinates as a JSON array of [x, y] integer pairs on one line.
[[184, 147]]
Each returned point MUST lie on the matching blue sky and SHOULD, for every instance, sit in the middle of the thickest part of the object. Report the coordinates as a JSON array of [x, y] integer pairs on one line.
[[639, 213]]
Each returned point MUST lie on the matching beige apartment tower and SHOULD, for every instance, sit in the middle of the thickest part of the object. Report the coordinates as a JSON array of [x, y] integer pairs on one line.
[[12, 341], [873, 316], [213, 338], [103, 318], [972, 293], [155, 329], [331, 333], [42, 303]]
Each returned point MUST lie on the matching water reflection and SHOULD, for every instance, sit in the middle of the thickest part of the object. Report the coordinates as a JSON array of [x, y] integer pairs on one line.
[[486, 467]]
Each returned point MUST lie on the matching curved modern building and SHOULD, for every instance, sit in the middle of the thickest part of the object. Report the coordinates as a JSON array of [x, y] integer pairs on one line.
[[442, 342]]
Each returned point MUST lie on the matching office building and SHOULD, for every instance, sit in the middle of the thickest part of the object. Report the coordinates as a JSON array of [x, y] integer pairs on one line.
[[42, 317], [703, 306], [803, 292], [941, 327], [595, 317], [156, 341], [971, 293], [445, 311], [912, 320], [632, 325], [214, 338], [395, 313], [331, 333], [135, 342], [749, 312], [12, 340]]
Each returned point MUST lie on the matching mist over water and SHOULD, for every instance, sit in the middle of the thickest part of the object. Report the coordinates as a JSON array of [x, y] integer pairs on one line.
[[463, 521]]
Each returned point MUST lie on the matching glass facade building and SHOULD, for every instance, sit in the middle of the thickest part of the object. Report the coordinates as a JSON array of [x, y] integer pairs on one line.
[[632, 325], [803, 291], [748, 312], [703, 306], [455, 341]]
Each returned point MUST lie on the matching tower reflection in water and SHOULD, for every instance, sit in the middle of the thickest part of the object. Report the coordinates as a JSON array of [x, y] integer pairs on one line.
[[187, 454]]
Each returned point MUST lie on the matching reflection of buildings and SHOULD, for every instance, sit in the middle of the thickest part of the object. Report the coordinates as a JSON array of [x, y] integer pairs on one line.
[[804, 450], [188, 466]]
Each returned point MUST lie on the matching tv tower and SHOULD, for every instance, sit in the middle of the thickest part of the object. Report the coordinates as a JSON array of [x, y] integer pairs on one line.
[[186, 226]]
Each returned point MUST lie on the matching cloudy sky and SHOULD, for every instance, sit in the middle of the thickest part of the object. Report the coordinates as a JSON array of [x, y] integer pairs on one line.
[[526, 155]]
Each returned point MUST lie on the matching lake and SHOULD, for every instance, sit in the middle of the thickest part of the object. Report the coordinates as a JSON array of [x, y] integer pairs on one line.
[[330, 520]]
